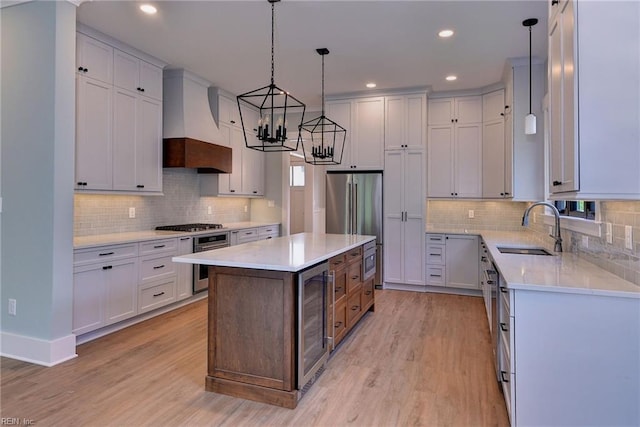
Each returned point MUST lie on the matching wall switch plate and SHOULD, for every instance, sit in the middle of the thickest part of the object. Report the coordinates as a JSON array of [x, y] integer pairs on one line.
[[585, 241], [472, 214], [628, 237], [609, 233], [132, 212], [271, 203], [12, 307], [209, 210]]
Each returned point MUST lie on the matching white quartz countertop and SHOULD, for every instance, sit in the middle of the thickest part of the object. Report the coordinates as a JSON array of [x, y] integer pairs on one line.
[[562, 272], [289, 253], [80, 242]]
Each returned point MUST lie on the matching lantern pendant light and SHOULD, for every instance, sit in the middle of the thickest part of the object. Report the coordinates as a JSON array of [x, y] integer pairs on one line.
[[324, 134], [275, 106], [530, 119]]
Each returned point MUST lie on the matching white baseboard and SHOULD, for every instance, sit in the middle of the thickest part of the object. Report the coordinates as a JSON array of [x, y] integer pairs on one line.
[[37, 350]]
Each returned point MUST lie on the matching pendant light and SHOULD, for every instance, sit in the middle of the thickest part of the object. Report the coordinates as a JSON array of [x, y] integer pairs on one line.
[[276, 107], [530, 119], [324, 134]]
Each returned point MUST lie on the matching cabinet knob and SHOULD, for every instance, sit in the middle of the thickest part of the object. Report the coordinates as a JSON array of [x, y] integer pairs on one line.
[[556, 183], [80, 69], [255, 192], [139, 186], [451, 120], [502, 114], [506, 194], [233, 122], [456, 120], [232, 191], [554, 2]]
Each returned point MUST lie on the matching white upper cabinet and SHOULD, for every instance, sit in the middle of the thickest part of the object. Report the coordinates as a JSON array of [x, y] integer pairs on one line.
[[405, 121], [495, 174], [94, 59], [594, 127], [364, 146], [455, 147], [137, 75]]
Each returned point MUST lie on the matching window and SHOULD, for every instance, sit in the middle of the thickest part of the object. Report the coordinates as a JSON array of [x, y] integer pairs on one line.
[[578, 209], [296, 176]]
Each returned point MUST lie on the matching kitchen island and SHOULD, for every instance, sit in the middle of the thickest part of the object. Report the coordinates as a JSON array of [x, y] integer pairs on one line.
[[252, 304]]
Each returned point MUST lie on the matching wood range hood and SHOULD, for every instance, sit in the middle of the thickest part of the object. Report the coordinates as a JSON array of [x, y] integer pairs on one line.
[[188, 127], [192, 153]]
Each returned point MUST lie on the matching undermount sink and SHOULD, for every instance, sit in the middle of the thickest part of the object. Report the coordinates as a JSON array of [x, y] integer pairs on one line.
[[523, 251]]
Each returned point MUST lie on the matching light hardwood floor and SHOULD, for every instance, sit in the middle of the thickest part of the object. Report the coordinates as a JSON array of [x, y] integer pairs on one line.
[[420, 359]]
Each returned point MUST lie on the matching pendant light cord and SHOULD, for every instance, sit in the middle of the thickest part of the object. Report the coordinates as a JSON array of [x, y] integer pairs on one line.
[[529, 69], [273, 13], [322, 85]]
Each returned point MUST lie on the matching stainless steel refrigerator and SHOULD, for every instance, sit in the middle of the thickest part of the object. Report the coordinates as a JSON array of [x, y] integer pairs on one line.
[[354, 206]]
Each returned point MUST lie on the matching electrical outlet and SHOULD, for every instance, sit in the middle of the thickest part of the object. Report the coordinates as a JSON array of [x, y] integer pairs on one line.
[[551, 229], [246, 208], [585, 241], [12, 307], [472, 214], [132, 212], [609, 233], [271, 204], [209, 210], [628, 237]]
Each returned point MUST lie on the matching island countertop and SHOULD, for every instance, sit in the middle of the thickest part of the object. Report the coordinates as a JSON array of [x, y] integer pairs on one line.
[[289, 253]]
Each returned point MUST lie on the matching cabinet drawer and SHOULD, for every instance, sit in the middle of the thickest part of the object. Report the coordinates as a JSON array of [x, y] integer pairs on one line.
[[340, 288], [247, 235], [354, 275], [104, 253], [337, 261], [158, 295], [507, 378], [436, 254], [354, 307], [367, 293], [156, 267], [268, 232], [354, 255], [435, 238], [339, 322], [159, 246], [435, 275]]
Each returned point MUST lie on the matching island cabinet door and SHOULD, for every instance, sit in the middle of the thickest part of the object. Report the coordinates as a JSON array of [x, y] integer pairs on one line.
[[251, 344]]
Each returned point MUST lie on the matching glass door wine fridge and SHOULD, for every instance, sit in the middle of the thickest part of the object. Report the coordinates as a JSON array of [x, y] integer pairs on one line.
[[313, 347]]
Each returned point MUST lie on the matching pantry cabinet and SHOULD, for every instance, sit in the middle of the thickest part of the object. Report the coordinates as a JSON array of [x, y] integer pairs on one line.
[[455, 147], [404, 217], [594, 128], [118, 119], [405, 121], [364, 120]]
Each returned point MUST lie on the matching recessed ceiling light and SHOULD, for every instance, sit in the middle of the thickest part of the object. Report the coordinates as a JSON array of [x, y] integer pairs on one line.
[[371, 85], [451, 78], [148, 9], [445, 33]]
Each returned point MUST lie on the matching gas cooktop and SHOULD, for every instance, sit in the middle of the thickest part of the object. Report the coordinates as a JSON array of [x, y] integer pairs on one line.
[[189, 227]]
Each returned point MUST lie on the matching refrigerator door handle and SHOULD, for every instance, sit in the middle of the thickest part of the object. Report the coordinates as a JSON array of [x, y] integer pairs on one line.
[[350, 213]]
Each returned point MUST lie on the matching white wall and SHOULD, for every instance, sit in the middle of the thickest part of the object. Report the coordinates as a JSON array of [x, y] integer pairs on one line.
[[38, 141]]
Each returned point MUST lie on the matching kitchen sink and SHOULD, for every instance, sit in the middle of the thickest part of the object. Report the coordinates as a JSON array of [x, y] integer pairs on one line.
[[523, 251]]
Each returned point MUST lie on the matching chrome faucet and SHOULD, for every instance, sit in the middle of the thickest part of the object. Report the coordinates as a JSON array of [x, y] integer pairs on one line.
[[525, 221]]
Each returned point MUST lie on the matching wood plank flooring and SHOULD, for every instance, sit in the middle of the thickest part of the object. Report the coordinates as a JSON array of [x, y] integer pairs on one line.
[[419, 360]]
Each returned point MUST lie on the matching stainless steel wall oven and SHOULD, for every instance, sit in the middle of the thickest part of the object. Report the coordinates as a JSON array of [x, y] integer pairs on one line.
[[203, 243]]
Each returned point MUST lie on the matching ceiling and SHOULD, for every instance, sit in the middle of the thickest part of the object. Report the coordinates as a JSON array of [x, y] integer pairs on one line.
[[392, 43]]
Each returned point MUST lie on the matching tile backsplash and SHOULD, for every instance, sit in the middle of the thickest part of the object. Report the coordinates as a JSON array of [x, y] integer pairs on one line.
[[613, 257], [180, 204]]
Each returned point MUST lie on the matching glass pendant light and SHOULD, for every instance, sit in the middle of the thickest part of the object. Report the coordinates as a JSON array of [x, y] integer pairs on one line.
[[276, 107], [530, 119], [326, 138]]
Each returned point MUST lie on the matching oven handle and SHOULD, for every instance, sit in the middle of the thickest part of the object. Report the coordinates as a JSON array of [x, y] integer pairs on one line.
[[209, 248]]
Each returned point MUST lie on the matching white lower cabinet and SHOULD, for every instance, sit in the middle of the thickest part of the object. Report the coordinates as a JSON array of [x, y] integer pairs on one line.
[[575, 355], [452, 261], [184, 272], [246, 235]]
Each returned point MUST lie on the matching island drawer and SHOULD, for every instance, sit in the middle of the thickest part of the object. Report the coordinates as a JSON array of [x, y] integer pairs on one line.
[[354, 276], [158, 295], [339, 322], [354, 255], [367, 292], [156, 267], [337, 261], [340, 284], [104, 253], [159, 246], [354, 306]]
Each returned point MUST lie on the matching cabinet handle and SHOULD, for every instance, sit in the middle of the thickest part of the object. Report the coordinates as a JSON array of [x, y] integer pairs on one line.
[[337, 262], [105, 254], [435, 275], [355, 307], [158, 246], [255, 192], [158, 266], [80, 69], [503, 326], [140, 186], [502, 114], [556, 183], [502, 194], [456, 120], [107, 267], [157, 295], [185, 238], [354, 277], [337, 325], [270, 237], [233, 122], [232, 191], [451, 120], [503, 289], [338, 288], [490, 282], [554, 2], [502, 374], [483, 259], [368, 293], [506, 194], [434, 254]]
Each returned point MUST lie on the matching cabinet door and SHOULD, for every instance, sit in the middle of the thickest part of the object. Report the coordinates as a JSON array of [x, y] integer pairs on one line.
[[228, 111], [96, 57], [125, 71], [93, 134], [416, 121], [468, 109], [121, 293], [125, 122], [493, 160], [252, 171], [441, 111], [468, 161], [393, 216], [440, 161], [340, 112], [184, 272], [149, 145], [462, 269], [231, 183], [493, 106], [368, 146], [413, 228], [394, 119], [88, 298], [151, 80]]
